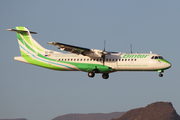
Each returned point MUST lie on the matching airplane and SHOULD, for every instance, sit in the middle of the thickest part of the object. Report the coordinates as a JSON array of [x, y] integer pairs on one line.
[[87, 60]]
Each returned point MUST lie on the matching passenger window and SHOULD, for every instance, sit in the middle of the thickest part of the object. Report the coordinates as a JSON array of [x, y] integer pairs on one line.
[[119, 59], [122, 59], [87, 59], [62, 59], [109, 59], [125, 59], [131, 59], [74, 59], [106, 59], [77, 59], [128, 59], [134, 59]]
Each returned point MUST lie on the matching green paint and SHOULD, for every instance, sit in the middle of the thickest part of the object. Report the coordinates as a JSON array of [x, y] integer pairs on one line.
[[27, 38], [23, 42], [163, 60], [41, 64], [134, 56]]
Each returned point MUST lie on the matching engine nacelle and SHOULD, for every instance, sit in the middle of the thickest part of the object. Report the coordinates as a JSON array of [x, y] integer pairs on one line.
[[95, 53]]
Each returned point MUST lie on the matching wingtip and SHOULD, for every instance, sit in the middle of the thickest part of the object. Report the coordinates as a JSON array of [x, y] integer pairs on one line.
[[51, 42]]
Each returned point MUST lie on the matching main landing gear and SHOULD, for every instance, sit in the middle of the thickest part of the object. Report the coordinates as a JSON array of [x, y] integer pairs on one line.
[[91, 74], [104, 75]]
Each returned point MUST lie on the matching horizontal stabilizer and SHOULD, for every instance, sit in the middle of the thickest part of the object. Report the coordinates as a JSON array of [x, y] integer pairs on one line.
[[19, 31]]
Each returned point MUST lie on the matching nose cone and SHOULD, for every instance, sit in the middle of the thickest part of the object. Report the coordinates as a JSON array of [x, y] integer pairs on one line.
[[167, 64]]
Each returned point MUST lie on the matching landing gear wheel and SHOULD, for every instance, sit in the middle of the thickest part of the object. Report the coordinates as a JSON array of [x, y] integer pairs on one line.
[[160, 75], [105, 76], [91, 74]]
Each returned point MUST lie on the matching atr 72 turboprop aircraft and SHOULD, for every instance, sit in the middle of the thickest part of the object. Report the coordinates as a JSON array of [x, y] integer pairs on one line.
[[87, 60]]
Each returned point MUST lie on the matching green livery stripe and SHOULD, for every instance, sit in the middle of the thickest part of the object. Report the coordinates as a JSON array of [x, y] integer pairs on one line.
[[27, 38], [163, 61], [23, 42], [89, 67], [42, 64], [82, 66], [31, 48]]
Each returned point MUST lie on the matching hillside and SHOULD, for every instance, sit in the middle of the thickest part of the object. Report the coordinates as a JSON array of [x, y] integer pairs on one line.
[[154, 111], [91, 116], [15, 119]]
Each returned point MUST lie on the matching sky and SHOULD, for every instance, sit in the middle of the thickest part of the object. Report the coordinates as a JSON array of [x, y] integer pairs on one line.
[[36, 93]]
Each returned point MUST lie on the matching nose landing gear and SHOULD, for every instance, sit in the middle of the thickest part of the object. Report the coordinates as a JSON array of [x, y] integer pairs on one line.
[[160, 73]]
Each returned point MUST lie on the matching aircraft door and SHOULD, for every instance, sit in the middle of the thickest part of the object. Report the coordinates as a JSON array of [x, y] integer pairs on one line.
[[119, 62]]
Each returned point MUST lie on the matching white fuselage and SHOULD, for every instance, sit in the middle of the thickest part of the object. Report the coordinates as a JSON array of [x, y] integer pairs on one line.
[[118, 61]]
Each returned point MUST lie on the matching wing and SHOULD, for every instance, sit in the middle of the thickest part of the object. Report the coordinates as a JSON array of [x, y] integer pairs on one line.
[[92, 53], [73, 49]]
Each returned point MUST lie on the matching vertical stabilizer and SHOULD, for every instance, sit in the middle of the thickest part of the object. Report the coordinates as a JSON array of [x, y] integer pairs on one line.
[[26, 43]]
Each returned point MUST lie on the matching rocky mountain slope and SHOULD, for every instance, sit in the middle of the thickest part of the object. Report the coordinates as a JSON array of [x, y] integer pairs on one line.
[[154, 111], [90, 116]]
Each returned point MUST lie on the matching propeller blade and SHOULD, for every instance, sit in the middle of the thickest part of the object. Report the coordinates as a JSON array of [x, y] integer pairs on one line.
[[104, 45], [103, 53], [103, 59]]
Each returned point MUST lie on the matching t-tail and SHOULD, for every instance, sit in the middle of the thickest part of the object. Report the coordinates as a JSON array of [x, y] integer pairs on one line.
[[27, 44], [31, 51]]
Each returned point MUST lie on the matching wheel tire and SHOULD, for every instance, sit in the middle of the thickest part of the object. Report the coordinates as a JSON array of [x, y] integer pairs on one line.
[[160, 75], [91, 74], [105, 76]]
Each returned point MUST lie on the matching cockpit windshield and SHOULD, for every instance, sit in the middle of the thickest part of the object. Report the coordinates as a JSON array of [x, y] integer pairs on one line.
[[157, 57]]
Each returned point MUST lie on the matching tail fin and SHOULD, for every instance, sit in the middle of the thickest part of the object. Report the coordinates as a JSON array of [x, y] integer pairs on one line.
[[26, 43]]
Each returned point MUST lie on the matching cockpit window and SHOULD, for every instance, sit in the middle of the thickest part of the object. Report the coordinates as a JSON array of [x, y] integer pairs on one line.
[[160, 57], [157, 57]]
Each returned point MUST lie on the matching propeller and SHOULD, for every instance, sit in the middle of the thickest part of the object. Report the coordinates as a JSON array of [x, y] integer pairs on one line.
[[104, 53]]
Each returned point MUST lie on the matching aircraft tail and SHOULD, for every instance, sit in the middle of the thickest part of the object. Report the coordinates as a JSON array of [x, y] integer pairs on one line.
[[28, 46]]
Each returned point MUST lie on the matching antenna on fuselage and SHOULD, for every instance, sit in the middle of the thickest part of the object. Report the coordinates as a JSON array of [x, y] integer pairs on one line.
[[131, 47]]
